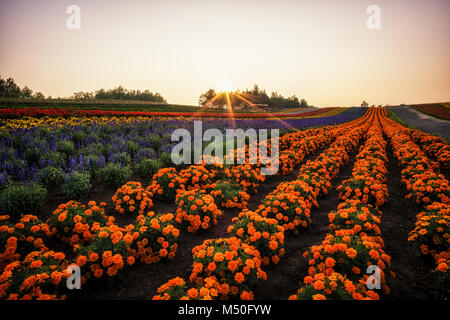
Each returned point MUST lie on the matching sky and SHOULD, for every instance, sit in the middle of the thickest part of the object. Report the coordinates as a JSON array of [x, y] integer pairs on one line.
[[319, 50]]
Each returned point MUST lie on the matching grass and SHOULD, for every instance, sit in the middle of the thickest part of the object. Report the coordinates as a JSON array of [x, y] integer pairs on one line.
[[395, 117]]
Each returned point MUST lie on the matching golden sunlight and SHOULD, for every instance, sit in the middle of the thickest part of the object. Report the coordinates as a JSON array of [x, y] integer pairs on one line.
[[226, 87]]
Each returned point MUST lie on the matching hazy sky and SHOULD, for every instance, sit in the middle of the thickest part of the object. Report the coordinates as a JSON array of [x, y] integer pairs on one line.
[[318, 50]]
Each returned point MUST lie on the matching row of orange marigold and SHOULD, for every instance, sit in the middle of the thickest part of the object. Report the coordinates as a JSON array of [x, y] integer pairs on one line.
[[337, 266], [429, 189], [230, 267]]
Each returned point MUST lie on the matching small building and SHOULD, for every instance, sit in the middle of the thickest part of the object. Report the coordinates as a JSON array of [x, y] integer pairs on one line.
[[261, 106]]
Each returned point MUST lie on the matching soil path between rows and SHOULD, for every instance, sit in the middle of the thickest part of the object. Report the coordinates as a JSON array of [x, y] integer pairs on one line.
[[414, 279]]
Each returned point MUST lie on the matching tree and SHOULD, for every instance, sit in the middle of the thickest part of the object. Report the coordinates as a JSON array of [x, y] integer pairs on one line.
[[121, 93], [82, 95], [364, 104], [26, 92], [9, 89], [206, 97], [39, 95], [241, 99]]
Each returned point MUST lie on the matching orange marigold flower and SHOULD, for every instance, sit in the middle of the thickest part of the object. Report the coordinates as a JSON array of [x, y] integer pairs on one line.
[[239, 277]]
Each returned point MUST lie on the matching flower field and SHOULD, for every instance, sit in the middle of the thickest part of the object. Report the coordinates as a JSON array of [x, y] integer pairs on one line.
[[436, 110], [359, 209]]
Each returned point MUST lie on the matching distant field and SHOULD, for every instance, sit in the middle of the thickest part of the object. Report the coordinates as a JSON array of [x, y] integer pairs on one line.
[[114, 105], [438, 110]]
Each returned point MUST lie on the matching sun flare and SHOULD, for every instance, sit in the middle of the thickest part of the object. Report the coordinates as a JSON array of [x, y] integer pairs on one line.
[[226, 87]]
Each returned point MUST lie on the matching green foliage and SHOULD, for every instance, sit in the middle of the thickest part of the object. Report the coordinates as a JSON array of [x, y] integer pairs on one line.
[[113, 175], [133, 148], [396, 118], [120, 93], [22, 199], [166, 159], [155, 140], [66, 147], [32, 155], [148, 167], [77, 185], [51, 176]]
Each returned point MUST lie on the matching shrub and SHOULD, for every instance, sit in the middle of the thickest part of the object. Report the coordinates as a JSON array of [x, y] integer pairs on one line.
[[288, 209], [39, 276], [132, 148], [349, 254], [93, 164], [154, 238], [54, 158], [174, 289], [178, 289], [196, 177], [364, 188], [333, 287], [77, 185], [77, 224], [107, 253], [262, 233], [196, 209], [51, 176], [32, 154], [166, 159], [426, 188], [114, 175], [229, 195], [148, 167], [165, 184], [155, 141], [19, 239], [236, 265], [121, 158], [66, 147], [288, 160], [357, 216], [132, 197], [246, 176], [303, 190], [212, 164], [432, 229], [21, 199]]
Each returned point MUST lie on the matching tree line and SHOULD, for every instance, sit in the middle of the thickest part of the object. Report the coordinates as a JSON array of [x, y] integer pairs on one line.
[[9, 89], [121, 93], [244, 99]]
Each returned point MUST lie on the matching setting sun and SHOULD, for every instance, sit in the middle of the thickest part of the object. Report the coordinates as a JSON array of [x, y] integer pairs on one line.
[[226, 87]]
